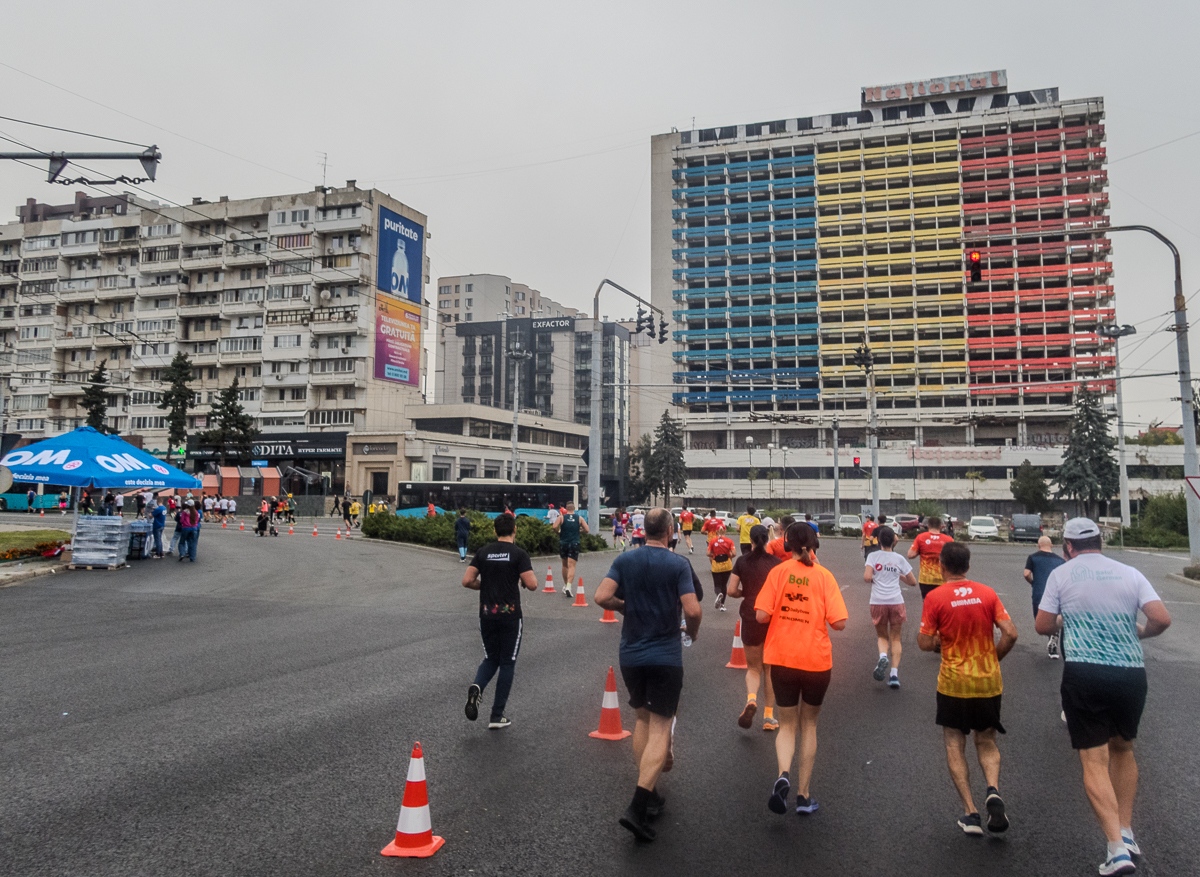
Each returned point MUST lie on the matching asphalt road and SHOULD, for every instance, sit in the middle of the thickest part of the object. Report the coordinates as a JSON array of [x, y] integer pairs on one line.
[[253, 714]]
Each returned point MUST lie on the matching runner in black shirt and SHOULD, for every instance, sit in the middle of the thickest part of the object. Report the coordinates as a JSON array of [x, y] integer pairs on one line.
[[497, 572]]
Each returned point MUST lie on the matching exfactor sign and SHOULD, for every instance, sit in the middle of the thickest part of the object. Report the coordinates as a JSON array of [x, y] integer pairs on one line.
[[566, 324], [924, 88]]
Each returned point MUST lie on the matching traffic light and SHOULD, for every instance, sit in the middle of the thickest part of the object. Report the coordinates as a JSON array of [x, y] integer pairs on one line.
[[644, 321], [650, 325], [863, 357], [857, 460], [662, 331], [975, 262]]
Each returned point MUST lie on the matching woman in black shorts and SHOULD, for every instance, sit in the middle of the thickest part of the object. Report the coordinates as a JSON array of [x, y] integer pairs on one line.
[[749, 574]]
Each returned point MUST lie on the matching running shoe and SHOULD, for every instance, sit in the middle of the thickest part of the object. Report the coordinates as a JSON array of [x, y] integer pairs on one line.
[[567, 591], [777, 803], [1118, 864], [971, 824], [881, 669], [473, 695], [771, 724], [997, 819], [654, 806], [719, 603], [746, 719], [639, 827], [498, 722], [894, 682], [806, 805], [1131, 844]]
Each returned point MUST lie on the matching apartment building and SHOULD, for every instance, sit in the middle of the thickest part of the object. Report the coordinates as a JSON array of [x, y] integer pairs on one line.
[[482, 297], [313, 301], [782, 246]]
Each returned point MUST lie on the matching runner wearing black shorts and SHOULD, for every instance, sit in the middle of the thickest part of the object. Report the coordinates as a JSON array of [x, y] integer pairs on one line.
[[570, 527], [749, 574]]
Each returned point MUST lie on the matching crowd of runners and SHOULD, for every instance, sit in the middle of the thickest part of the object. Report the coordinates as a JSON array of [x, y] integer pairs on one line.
[[1086, 604]]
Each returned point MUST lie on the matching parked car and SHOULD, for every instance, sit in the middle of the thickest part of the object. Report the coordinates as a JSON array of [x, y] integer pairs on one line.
[[824, 519], [982, 527], [908, 523], [850, 522], [1025, 528]]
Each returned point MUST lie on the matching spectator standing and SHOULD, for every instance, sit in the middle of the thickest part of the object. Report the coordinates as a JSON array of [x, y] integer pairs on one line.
[[120, 504], [1095, 602], [158, 523], [30, 498], [462, 534], [189, 523]]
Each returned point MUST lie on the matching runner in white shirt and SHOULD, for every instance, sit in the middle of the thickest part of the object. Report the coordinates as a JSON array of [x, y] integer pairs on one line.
[[121, 504], [885, 570], [232, 506], [208, 504]]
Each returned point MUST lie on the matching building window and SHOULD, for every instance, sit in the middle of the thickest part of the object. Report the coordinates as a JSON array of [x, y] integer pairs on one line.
[[468, 318], [470, 287], [287, 341], [299, 394], [470, 301], [331, 417]]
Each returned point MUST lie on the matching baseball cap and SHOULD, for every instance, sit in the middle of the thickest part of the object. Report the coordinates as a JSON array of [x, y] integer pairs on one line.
[[1080, 528], [191, 502]]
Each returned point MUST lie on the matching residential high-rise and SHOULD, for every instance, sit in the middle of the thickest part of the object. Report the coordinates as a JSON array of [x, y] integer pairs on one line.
[[783, 246], [470, 298]]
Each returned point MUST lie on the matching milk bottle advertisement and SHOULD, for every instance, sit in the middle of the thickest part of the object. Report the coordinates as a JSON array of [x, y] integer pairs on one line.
[[397, 341], [400, 256]]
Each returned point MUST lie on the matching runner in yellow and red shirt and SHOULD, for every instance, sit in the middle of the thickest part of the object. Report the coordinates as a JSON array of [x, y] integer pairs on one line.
[[720, 553], [928, 546], [713, 526], [962, 614], [686, 519]]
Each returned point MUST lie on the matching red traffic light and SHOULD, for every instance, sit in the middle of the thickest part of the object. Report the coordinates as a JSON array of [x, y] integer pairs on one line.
[[857, 460], [974, 256]]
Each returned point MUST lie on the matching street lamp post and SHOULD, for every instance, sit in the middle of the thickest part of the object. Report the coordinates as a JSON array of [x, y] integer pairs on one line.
[[837, 497], [1116, 333], [750, 457], [770, 463], [913, 450]]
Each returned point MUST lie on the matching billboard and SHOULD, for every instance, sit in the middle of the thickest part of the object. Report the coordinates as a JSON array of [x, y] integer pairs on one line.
[[400, 268], [397, 340]]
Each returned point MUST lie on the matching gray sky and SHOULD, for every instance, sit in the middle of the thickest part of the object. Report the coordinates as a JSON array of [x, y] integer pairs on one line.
[[522, 129]]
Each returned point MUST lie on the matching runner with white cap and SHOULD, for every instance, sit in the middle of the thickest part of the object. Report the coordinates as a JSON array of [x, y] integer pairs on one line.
[[1094, 601]]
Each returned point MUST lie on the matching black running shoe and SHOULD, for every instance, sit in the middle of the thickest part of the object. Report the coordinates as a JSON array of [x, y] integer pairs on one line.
[[498, 723], [473, 695], [971, 824], [997, 818], [655, 806], [777, 803], [639, 827]]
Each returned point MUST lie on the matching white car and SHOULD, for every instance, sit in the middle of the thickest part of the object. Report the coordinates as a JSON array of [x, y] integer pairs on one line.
[[982, 527], [850, 522]]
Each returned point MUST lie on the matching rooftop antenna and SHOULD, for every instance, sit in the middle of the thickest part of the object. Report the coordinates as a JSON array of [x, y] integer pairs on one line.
[[324, 165]]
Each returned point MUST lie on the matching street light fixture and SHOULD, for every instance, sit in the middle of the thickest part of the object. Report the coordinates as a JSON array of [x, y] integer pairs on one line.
[[770, 464], [750, 457], [1116, 333]]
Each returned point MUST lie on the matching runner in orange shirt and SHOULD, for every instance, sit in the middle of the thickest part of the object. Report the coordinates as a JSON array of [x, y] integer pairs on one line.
[[962, 614], [870, 543], [686, 519], [713, 526], [775, 546], [800, 601], [928, 546]]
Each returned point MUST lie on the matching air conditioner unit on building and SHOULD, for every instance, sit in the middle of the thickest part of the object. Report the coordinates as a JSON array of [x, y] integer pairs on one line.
[[345, 350], [349, 316], [279, 377], [328, 250], [121, 268], [307, 296]]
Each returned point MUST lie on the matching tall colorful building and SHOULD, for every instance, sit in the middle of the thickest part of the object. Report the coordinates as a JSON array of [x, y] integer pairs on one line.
[[780, 247]]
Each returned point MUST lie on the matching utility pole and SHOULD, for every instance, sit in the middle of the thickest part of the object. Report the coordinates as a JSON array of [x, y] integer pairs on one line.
[[59, 161], [837, 499], [518, 354], [1116, 333], [595, 449], [865, 360]]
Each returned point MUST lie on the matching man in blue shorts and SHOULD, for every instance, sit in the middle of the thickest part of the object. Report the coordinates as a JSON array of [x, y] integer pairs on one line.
[[649, 587]]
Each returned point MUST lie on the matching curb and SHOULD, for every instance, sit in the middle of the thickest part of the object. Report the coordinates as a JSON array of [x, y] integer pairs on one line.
[[17, 578], [367, 540], [1176, 577]]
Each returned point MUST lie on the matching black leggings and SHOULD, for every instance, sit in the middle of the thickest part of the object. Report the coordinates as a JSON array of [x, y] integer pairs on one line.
[[487, 669], [721, 581]]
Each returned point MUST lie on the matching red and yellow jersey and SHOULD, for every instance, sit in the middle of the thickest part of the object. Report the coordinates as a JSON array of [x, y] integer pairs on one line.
[[713, 527], [685, 521], [869, 538], [963, 614], [929, 549], [802, 601], [720, 552]]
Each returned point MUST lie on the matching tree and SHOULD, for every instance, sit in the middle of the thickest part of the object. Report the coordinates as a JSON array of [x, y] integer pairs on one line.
[[177, 399], [1030, 489], [232, 427], [976, 478], [1088, 473], [641, 463], [95, 399], [666, 459], [1156, 434]]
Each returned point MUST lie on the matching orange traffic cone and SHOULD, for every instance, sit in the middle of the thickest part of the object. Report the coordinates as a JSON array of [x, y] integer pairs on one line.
[[291, 530], [224, 524], [549, 589], [314, 529], [42, 513], [580, 600], [339, 533], [737, 658], [243, 527], [610, 713], [609, 617], [414, 830]]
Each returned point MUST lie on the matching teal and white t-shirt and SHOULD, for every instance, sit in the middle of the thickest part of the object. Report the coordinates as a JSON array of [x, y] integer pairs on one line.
[[1099, 600]]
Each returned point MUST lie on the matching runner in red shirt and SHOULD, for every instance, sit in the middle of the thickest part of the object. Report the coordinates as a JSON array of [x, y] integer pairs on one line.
[[928, 546], [713, 526], [869, 542], [720, 553], [686, 519], [775, 546]]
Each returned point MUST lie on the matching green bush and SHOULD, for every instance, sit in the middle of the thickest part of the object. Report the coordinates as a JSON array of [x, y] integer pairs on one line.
[[927, 508], [1166, 512], [535, 536], [825, 530], [850, 531], [776, 514], [1148, 537]]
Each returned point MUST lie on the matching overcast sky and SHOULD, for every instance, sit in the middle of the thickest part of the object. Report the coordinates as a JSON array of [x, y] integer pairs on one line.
[[522, 129]]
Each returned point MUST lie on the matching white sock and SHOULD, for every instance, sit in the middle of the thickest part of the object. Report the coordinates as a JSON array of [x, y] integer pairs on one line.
[[1127, 832], [1115, 849], [895, 672], [883, 654]]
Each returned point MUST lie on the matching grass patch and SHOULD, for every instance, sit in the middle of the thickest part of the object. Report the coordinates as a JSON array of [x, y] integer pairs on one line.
[[28, 538]]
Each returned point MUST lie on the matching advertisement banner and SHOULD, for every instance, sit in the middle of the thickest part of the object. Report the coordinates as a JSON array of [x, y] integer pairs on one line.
[[397, 341], [401, 266]]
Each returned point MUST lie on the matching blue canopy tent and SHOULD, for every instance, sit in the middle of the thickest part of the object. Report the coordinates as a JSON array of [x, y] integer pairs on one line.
[[87, 458]]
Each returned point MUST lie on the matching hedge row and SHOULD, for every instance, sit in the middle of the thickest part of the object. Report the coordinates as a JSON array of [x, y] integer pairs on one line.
[[535, 536]]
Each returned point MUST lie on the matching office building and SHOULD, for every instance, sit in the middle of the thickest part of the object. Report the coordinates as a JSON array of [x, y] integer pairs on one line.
[[470, 298], [783, 246]]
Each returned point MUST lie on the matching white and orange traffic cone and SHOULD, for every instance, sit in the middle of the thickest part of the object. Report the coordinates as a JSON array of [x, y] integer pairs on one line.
[[291, 530], [737, 658], [609, 617], [314, 529], [339, 533], [549, 589], [610, 713], [243, 526], [580, 599], [42, 513], [414, 830], [224, 524]]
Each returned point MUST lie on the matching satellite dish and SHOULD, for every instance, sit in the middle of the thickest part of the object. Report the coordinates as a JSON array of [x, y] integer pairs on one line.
[[6, 479]]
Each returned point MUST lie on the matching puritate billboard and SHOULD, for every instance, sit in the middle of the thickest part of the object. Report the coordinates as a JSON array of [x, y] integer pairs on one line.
[[397, 340], [401, 264]]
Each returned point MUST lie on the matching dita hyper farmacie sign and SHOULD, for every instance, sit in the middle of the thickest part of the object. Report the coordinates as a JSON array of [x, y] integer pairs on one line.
[[397, 341]]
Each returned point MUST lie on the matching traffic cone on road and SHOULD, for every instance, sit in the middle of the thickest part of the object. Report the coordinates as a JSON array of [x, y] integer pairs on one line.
[[339, 533], [224, 525], [243, 526], [737, 658], [580, 600], [42, 513], [549, 589], [414, 830], [610, 713], [291, 530], [609, 617]]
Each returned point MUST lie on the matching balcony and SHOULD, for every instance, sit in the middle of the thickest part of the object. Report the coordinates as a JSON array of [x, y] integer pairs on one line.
[[344, 223], [124, 245], [199, 258], [75, 342], [240, 255]]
